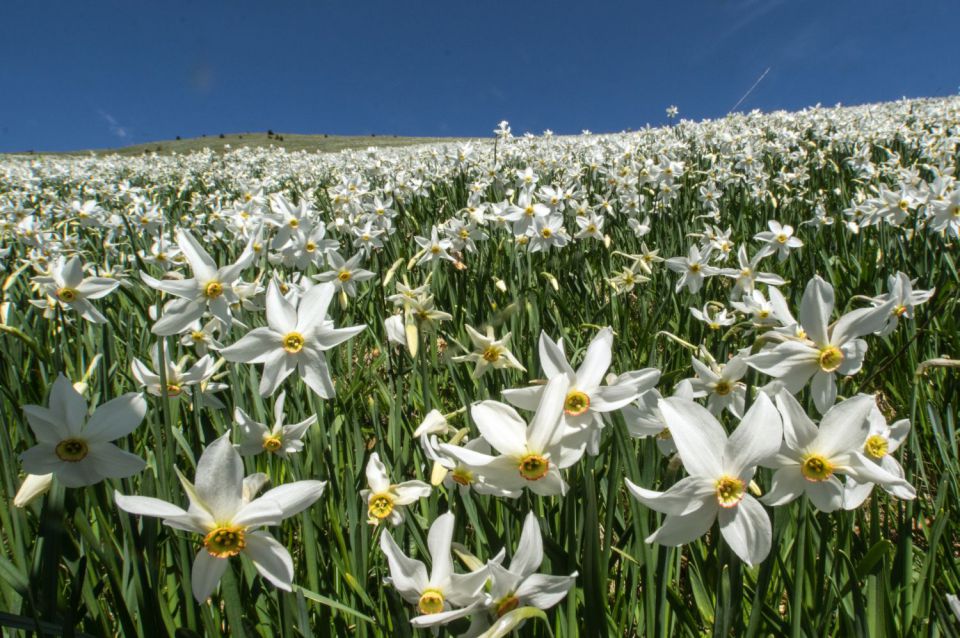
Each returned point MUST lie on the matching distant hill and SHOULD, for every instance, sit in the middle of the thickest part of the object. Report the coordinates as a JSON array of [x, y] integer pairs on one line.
[[289, 141]]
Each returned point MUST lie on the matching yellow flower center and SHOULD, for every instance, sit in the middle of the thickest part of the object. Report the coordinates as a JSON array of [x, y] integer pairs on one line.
[[72, 450], [224, 542], [900, 310], [507, 604], [293, 342], [344, 276], [213, 290], [462, 476], [534, 467], [694, 268], [782, 238], [830, 358], [294, 222], [491, 354], [723, 388], [435, 249], [816, 468], [67, 295], [431, 602], [876, 446], [528, 211], [272, 443], [730, 491], [173, 389], [576, 403], [310, 247], [547, 233], [197, 336], [380, 506], [903, 204]]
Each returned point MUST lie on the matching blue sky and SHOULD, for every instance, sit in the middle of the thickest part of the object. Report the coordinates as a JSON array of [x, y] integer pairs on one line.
[[95, 74]]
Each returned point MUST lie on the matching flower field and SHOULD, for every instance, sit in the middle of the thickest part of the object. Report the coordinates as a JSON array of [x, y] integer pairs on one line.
[[691, 380]]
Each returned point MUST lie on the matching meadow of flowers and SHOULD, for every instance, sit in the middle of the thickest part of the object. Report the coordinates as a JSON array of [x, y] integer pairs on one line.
[[692, 380]]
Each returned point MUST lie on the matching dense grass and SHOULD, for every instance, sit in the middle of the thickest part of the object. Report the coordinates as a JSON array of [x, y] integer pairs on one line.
[[72, 562]]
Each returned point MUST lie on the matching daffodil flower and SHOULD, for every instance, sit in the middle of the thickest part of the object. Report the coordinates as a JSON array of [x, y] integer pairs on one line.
[[779, 239], [385, 501], [905, 298], [693, 269], [280, 440], [586, 399], [489, 352], [441, 596], [882, 441], [210, 289], [70, 289], [294, 338], [826, 350], [531, 455], [720, 469], [811, 457], [721, 383], [224, 511], [77, 450], [519, 585]]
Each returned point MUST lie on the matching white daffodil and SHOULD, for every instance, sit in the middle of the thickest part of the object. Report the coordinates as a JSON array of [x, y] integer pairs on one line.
[[489, 352], [530, 456], [295, 337], [720, 470], [519, 585], [70, 289], [714, 315], [779, 239], [721, 383], [882, 441], [385, 501], [586, 400], [900, 290], [826, 350], [811, 456], [211, 287], [345, 274], [433, 248], [179, 381], [77, 450], [746, 276], [693, 268], [281, 440], [224, 511], [443, 595]]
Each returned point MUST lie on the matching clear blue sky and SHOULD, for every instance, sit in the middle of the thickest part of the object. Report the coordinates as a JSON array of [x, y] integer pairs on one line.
[[90, 74]]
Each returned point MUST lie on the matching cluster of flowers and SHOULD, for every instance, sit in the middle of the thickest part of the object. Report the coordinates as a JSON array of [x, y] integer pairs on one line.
[[539, 194]]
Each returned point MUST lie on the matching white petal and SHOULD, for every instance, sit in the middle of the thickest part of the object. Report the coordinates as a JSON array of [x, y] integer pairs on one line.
[[679, 530], [543, 591], [281, 315], [377, 477], [544, 427], [204, 268], [116, 418], [409, 576], [256, 346], [788, 484], [219, 479], [845, 427], [206, 574], [501, 427], [758, 437], [746, 528], [597, 360], [529, 552], [271, 559], [438, 539], [699, 437], [686, 495]]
